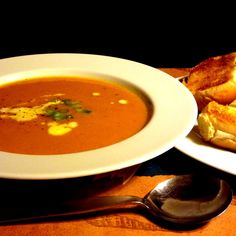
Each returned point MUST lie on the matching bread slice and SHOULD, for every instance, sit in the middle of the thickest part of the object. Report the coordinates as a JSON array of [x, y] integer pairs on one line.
[[217, 124], [214, 79]]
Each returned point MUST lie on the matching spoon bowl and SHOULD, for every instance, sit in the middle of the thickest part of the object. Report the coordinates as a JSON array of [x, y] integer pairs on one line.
[[189, 199], [184, 200]]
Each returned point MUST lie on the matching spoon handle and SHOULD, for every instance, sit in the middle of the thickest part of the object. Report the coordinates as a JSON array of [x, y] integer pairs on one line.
[[71, 208]]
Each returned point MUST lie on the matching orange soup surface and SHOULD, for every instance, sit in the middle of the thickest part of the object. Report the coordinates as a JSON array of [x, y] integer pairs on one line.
[[67, 115]]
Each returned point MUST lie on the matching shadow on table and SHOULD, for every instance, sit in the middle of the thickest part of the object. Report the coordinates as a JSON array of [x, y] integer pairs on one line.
[[174, 162], [22, 198]]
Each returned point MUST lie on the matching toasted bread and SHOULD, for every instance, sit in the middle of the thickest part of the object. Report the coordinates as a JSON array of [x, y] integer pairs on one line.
[[214, 79], [217, 124]]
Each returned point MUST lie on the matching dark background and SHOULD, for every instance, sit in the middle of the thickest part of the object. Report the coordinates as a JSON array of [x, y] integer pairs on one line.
[[155, 52], [157, 35]]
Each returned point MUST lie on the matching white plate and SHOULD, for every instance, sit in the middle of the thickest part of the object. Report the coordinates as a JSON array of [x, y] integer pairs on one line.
[[175, 112], [195, 147]]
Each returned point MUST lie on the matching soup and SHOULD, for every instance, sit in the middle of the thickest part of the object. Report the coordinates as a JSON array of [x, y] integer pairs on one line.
[[66, 115]]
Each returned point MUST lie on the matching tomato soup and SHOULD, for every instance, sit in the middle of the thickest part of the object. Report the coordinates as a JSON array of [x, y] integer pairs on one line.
[[66, 115]]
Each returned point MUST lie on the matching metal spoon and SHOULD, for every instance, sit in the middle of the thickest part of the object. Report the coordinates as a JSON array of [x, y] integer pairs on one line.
[[187, 199], [183, 78]]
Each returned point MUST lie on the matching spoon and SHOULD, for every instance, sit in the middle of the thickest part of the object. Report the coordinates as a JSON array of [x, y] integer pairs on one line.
[[186, 199], [183, 78]]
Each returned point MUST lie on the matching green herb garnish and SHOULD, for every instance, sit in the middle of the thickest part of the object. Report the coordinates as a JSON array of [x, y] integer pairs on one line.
[[58, 114], [75, 105], [62, 114]]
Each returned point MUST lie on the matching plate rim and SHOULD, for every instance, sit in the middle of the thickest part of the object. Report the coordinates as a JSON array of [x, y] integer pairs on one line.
[[193, 146]]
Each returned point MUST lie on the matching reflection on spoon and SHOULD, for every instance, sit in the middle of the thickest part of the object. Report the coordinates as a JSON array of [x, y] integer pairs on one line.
[[187, 199]]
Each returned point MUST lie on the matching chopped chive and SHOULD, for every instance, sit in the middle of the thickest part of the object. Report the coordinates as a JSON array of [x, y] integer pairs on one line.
[[58, 114], [84, 110], [61, 114]]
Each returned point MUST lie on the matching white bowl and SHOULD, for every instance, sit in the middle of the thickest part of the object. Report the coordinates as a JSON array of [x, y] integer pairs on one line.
[[174, 115]]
